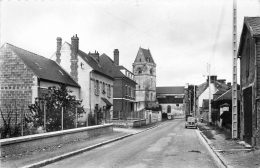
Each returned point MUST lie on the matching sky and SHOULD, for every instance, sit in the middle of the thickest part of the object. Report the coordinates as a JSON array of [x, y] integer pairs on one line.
[[184, 36]]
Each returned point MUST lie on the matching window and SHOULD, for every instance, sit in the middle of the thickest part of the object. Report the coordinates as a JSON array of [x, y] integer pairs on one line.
[[140, 60], [247, 57], [108, 90], [104, 88], [96, 87], [129, 91], [126, 90], [140, 71], [99, 86]]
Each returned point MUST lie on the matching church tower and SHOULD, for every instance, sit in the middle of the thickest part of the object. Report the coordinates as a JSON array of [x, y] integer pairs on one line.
[[144, 70]]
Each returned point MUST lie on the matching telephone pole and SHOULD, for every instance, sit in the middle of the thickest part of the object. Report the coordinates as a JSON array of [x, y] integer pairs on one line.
[[234, 72]]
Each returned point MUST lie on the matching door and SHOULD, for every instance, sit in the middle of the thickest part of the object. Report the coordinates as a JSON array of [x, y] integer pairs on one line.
[[247, 98]]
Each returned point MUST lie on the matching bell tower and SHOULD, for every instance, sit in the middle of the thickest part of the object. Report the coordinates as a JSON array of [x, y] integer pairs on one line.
[[144, 70]]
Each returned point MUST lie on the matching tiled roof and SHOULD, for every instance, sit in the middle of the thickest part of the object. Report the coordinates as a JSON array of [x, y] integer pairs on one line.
[[43, 67], [170, 90], [93, 63], [253, 24]]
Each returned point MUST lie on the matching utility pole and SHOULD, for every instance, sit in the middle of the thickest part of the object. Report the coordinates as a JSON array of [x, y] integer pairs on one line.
[[208, 67], [234, 73], [194, 103]]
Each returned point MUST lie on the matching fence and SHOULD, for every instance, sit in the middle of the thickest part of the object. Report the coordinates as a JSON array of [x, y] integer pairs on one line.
[[129, 115]]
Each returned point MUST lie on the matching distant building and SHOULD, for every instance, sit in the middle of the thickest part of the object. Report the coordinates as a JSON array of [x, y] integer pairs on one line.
[[26, 75], [144, 70], [203, 91], [96, 84], [249, 54], [170, 99], [124, 86]]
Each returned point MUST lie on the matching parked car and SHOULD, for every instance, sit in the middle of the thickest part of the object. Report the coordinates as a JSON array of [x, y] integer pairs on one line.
[[191, 122]]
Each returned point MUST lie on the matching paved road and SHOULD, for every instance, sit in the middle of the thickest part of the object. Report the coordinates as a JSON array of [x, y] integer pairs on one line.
[[169, 145]]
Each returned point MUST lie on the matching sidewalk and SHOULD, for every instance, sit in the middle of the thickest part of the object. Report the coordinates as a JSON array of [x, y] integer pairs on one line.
[[233, 153], [54, 153]]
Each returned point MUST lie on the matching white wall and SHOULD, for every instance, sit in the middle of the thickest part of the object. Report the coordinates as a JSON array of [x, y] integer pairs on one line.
[[205, 94], [75, 90]]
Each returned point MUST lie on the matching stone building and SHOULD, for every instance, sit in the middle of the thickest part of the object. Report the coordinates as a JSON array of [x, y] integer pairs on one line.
[[124, 86], [26, 75], [249, 54], [144, 70], [171, 100], [96, 85]]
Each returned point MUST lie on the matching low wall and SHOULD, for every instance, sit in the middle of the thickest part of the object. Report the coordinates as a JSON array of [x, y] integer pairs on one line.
[[39, 141], [129, 123]]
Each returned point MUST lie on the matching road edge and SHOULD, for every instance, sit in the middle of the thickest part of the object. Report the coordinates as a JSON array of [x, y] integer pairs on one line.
[[66, 155], [220, 163]]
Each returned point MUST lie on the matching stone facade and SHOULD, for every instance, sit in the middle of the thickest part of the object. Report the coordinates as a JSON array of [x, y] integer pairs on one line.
[[144, 69], [16, 80], [249, 53]]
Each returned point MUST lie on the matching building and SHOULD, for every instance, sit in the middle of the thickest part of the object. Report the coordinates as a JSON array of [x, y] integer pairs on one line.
[[203, 91], [170, 99], [124, 86], [249, 54], [144, 70], [96, 84], [26, 75]]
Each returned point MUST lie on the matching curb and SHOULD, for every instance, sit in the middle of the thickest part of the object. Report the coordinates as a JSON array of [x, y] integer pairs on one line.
[[66, 155], [218, 159]]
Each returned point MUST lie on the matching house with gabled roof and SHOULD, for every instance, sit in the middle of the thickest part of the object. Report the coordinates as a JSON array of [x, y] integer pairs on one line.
[[144, 70], [96, 83], [124, 86], [203, 92], [249, 54], [26, 75]]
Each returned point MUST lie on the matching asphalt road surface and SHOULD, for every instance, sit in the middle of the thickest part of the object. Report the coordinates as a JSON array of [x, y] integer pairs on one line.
[[167, 146]]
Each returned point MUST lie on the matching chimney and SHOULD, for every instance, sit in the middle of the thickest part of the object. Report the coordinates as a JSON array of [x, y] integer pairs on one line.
[[74, 57], [95, 55], [213, 78], [116, 57], [229, 84], [58, 54]]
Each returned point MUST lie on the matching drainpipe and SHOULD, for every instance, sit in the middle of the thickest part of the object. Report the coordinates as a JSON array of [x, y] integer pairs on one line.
[[90, 76]]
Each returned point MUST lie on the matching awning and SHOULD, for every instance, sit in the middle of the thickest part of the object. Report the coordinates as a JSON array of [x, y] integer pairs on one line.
[[106, 101]]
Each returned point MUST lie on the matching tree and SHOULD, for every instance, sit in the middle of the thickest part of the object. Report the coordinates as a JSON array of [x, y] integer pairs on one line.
[[56, 99]]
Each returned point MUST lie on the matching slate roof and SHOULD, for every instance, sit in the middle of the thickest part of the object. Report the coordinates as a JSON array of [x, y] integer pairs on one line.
[[93, 63], [108, 63], [112, 68], [252, 24], [227, 95], [146, 53], [219, 85], [43, 68], [170, 90]]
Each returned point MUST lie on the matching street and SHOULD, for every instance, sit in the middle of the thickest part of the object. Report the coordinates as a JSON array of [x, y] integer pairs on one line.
[[169, 145]]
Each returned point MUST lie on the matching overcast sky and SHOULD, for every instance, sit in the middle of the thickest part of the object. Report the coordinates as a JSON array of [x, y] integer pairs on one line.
[[182, 35]]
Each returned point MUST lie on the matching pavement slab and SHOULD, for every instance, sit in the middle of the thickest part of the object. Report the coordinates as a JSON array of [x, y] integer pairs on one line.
[[232, 153]]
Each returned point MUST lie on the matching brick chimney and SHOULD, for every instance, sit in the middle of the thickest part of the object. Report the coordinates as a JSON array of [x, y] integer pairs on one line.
[[95, 55], [116, 56], [229, 84], [58, 54], [74, 57]]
